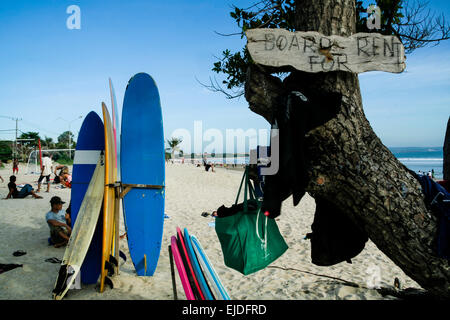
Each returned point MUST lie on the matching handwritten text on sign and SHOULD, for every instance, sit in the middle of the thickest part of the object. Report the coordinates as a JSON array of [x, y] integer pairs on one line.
[[314, 52]]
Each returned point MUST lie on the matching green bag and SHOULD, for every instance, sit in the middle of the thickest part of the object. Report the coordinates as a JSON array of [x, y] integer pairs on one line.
[[250, 241]]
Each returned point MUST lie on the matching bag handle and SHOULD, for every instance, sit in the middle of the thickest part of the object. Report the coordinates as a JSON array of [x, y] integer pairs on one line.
[[249, 191], [240, 187]]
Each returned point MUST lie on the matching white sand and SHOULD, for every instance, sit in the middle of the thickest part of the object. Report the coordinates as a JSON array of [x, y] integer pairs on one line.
[[189, 192]]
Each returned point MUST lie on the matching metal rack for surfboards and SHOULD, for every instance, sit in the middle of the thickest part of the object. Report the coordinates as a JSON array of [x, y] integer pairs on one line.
[[172, 271], [121, 189]]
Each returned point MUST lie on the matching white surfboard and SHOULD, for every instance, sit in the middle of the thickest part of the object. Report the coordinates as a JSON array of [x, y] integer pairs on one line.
[[82, 232]]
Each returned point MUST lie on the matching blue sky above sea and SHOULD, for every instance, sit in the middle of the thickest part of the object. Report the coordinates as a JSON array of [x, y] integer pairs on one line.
[[51, 75]]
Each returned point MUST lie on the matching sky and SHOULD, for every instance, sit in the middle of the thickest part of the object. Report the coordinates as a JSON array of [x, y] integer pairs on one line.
[[51, 75]]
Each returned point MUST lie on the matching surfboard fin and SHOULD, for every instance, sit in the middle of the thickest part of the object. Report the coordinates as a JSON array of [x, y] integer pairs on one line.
[[113, 260], [123, 256], [61, 282], [109, 267], [115, 264], [109, 282]]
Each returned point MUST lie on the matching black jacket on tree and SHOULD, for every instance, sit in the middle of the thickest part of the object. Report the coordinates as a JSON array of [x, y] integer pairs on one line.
[[335, 238]]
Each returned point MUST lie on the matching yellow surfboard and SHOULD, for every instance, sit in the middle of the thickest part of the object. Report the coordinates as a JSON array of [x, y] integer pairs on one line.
[[109, 238]]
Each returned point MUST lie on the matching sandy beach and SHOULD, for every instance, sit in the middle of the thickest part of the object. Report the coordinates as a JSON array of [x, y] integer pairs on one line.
[[189, 192]]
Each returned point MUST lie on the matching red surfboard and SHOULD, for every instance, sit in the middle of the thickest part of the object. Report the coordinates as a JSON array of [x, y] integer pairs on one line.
[[189, 264], [181, 271]]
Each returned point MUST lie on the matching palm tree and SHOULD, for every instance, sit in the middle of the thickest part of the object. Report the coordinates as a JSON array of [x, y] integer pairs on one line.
[[173, 145], [48, 142], [28, 143]]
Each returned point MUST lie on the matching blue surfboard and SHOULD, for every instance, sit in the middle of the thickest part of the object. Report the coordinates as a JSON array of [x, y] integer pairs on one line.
[[210, 272], [90, 144], [197, 270], [142, 171]]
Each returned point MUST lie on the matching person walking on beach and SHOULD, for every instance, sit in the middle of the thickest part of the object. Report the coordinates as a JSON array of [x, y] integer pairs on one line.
[[15, 166], [25, 191], [57, 221], [46, 170]]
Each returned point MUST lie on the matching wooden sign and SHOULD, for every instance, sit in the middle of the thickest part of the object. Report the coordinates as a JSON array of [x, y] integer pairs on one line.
[[314, 52]]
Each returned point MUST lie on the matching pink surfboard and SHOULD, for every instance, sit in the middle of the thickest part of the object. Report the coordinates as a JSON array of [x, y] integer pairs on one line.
[[191, 269], [181, 271], [116, 124]]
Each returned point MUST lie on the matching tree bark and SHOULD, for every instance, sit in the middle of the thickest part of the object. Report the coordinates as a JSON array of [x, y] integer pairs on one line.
[[349, 165]]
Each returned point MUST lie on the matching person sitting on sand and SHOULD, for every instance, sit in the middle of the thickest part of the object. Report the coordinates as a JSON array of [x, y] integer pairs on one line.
[[66, 180], [207, 165], [25, 191], [62, 170], [63, 177], [57, 221]]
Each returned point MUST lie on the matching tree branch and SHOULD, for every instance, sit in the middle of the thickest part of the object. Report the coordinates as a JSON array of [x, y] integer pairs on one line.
[[214, 86], [419, 27]]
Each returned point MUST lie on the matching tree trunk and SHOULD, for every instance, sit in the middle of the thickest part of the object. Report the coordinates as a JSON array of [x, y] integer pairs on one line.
[[347, 162]]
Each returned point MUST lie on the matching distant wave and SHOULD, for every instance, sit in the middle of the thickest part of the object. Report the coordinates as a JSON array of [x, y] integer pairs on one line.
[[421, 159]]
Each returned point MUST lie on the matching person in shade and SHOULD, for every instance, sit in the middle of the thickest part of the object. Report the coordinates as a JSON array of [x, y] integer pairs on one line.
[[69, 214], [16, 194], [58, 223]]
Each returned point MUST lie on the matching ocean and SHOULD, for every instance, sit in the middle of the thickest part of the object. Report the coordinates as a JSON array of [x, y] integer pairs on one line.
[[421, 159], [414, 158]]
